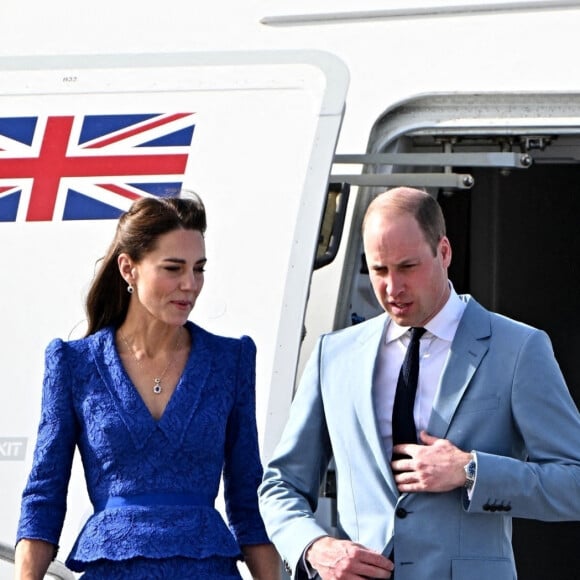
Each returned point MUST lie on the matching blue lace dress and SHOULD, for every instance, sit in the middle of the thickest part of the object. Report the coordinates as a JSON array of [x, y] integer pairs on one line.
[[152, 482]]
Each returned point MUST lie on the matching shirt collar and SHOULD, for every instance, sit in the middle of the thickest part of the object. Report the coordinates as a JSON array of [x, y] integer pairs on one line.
[[443, 325]]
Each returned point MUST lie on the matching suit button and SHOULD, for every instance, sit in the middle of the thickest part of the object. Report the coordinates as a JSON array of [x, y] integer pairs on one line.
[[401, 513]]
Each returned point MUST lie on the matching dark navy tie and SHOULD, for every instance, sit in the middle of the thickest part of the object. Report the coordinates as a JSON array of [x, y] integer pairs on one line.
[[404, 430]]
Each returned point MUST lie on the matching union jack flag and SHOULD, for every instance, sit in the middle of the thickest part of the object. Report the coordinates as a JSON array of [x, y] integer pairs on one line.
[[89, 166]]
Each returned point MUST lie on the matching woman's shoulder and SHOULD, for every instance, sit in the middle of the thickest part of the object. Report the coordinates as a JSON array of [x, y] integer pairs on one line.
[[78, 346], [217, 341]]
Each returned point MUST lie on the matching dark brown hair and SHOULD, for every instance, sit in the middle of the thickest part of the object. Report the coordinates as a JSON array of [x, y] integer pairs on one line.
[[137, 233]]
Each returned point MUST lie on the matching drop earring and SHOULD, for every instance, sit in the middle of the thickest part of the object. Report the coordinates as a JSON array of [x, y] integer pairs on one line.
[[130, 289]]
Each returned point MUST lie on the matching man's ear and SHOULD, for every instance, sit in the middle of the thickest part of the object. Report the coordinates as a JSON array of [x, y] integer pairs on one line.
[[445, 249]]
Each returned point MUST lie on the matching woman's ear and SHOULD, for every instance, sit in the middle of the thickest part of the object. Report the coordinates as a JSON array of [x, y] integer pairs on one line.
[[126, 268]]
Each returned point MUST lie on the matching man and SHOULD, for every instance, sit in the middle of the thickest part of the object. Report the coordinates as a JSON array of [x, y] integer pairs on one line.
[[495, 432]]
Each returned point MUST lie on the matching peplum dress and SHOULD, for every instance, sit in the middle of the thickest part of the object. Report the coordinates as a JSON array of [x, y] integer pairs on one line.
[[152, 482]]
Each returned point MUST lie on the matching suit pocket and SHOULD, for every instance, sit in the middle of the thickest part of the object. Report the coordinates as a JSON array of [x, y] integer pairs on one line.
[[478, 569], [478, 405]]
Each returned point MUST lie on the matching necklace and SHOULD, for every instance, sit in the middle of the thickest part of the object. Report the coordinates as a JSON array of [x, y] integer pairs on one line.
[[157, 388]]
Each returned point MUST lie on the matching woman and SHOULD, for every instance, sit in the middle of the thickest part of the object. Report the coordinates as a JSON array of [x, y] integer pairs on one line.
[[157, 407]]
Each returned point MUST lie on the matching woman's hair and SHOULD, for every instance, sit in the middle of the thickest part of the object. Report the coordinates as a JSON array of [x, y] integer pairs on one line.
[[137, 233]]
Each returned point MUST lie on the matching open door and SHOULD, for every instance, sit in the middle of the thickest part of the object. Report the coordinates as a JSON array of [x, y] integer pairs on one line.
[[82, 136], [514, 234]]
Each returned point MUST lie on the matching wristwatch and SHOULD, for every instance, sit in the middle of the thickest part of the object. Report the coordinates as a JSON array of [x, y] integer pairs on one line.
[[470, 472]]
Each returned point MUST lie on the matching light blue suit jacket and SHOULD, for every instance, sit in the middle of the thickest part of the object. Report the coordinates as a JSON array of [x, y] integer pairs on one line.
[[501, 394]]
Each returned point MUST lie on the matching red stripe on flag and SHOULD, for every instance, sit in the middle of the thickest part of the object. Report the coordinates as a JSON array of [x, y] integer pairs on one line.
[[119, 190], [137, 130]]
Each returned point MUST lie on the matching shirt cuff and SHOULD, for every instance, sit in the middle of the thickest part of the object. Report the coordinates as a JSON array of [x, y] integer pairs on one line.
[[310, 571], [471, 490]]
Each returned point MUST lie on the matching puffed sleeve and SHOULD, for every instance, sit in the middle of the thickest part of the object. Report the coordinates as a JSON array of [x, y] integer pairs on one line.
[[242, 466], [44, 498]]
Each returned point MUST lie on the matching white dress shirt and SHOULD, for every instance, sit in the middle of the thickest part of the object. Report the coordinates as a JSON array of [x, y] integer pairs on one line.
[[434, 348]]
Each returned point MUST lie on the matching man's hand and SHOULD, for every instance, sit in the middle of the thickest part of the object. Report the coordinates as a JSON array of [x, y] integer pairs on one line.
[[342, 559], [436, 466]]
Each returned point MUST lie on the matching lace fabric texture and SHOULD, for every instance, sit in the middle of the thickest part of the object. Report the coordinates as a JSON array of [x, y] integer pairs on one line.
[[215, 568], [208, 426]]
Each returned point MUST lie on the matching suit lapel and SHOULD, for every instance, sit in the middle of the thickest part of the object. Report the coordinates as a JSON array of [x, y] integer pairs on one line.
[[468, 348], [364, 355]]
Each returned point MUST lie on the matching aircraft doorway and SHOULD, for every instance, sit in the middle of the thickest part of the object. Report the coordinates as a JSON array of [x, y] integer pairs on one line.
[[515, 236], [516, 241]]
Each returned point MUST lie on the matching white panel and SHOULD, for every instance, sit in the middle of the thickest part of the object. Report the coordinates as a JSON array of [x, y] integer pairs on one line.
[[265, 130]]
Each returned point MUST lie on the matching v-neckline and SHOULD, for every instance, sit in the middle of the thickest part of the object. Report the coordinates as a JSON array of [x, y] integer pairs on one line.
[[128, 401], [140, 395]]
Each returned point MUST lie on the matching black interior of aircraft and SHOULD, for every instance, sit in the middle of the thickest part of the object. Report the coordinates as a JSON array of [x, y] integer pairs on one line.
[[516, 249]]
